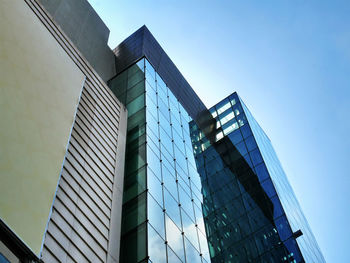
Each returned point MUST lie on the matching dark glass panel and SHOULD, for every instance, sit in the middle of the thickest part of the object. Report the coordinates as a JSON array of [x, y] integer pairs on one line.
[[283, 228], [137, 119], [268, 187], [134, 184], [136, 91], [134, 213], [235, 136], [135, 78], [133, 246], [262, 172], [135, 105], [135, 159], [246, 131]]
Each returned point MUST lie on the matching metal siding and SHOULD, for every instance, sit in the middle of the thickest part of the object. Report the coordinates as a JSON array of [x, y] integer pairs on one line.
[[79, 226]]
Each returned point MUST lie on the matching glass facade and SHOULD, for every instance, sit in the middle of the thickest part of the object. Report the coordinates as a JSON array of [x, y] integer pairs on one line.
[[244, 187], [162, 203]]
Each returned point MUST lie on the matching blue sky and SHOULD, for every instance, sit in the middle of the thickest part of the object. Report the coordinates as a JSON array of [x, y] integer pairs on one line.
[[289, 60]]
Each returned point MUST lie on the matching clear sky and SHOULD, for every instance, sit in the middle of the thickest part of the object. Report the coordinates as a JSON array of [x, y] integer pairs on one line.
[[289, 60]]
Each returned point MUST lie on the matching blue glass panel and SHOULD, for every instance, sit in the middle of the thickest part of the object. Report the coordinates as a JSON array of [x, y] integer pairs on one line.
[[235, 136], [251, 144], [153, 161], [268, 187], [192, 254], [163, 122], [262, 172], [175, 239], [256, 157], [157, 253], [186, 203], [246, 131], [172, 207], [283, 228], [154, 186], [155, 215]]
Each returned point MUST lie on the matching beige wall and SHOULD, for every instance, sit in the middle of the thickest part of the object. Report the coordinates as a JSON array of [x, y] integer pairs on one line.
[[39, 92]]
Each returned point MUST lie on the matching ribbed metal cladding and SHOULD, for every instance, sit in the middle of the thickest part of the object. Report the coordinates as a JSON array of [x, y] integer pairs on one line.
[[78, 230], [84, 225]]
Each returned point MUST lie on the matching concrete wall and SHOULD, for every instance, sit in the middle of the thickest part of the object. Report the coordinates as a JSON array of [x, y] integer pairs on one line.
[[86, 30]]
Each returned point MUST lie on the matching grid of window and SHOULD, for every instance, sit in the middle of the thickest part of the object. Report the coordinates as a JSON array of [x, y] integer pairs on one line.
[[174, 196], [162, 203], [307, 242], [244, 218]]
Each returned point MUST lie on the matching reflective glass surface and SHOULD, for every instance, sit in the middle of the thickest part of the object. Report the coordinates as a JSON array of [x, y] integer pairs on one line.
[[296, 219], [162, 191], [243, 186]]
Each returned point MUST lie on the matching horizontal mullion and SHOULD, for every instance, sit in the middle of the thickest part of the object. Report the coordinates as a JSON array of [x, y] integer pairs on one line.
[[86, 124], [81, 214], [91, 209], [91, 159], [90, 138], [90, 114], [99, 112], [75, 239], [96, 116], [112, 116], [89, 181], [85, 191], [96, 156], [81, 232], [78, 160]]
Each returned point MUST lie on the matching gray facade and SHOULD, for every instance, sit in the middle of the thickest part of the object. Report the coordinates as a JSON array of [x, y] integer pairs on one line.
[[80, 22]]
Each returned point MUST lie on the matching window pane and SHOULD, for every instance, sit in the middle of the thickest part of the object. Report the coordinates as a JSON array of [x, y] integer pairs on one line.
[[192, 255], [135, 105], [156, 246], [134, 213], [174, 238], [134, 184], [172, 208], [154, 186], [133, 247], [155, 215]]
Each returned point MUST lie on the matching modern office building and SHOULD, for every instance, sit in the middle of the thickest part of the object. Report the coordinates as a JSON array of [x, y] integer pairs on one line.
[[250, 211], [110, 156]]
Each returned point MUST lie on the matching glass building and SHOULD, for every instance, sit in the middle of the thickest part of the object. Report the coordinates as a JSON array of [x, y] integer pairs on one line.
[[162, 203], [166, 180], [250, 211]]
